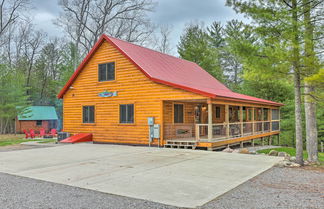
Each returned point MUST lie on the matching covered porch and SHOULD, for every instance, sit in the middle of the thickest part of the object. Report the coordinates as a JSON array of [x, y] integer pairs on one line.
[[215, 123]]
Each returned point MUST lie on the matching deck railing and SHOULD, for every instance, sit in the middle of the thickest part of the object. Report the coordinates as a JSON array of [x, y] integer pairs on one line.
[[222, 131]]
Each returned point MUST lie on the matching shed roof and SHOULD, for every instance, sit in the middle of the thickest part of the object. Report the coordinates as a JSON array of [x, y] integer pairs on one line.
[[168, 70], [38, 113]]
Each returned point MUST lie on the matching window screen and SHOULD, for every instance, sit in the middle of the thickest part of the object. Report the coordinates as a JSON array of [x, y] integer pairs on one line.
[[126, 113], [178, 113], [106, 71], [88, 114], [275, 114], [218, 112]]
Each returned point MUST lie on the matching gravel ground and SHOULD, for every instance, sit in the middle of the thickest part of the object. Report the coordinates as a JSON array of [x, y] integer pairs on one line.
[[275, 188], [25, 193]]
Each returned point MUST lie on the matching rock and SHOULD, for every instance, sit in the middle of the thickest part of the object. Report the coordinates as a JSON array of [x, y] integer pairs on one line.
[[236, 151], [228, 149], [293, 159], [253, 152], [286, 163], [273, 153], [244, 151], [294, 165], [281, 154]]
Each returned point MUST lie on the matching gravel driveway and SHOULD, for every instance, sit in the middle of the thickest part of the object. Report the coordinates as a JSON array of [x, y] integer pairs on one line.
[[275, 188]]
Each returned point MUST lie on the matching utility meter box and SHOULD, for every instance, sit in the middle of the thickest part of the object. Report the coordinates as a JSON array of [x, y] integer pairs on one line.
[[156, 131], [150, 121]]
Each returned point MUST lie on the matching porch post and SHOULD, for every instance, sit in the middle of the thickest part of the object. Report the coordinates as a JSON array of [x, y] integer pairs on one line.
[[270, 119], [241, 120], [253, 121], [262, 119], [210, 119], [227, 119]]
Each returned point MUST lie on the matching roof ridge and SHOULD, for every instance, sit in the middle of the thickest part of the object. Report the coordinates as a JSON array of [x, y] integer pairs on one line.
[[151, 49]]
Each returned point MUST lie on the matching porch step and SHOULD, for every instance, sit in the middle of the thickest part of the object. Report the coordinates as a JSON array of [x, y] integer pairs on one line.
[[180, 144]]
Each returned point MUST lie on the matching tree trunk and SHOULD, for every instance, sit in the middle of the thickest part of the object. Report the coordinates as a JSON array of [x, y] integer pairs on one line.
[[311, 126], [296, 69], [310, 103]]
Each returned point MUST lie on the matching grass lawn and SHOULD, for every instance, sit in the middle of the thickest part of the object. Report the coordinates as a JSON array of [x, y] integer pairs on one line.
[[292, 152], [11, 139]]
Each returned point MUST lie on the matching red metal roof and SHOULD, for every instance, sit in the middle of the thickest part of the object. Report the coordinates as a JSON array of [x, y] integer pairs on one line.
[[168, 70]]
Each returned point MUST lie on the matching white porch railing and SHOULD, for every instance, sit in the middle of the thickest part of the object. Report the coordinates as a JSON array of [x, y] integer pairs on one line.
[[221, 131]]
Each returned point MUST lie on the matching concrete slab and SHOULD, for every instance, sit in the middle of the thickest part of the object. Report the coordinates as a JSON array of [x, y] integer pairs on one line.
[[183, 178]]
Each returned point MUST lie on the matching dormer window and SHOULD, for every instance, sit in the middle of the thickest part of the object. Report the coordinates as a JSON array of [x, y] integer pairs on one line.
[[106, 71]]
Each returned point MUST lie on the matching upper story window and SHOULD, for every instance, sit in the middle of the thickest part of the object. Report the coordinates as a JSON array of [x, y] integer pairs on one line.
[[178, 113], [88, 114], [106, 71]]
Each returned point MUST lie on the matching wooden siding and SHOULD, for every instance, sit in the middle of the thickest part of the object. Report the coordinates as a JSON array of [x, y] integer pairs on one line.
[[133, 87]]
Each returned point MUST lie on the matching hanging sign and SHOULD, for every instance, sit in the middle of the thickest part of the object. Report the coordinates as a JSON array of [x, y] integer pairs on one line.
[[108, 94]]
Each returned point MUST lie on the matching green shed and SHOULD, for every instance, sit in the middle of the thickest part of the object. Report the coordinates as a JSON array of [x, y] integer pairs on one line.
[[37, 117]]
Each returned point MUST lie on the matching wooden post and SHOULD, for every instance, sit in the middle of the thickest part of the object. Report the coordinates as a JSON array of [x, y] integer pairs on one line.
[[210, 120], [269, 140], [241, 144], [278, 139], [252, 142], [262, 141], [197, 132], [253, 121], [270, 119], [227, 119], [241, 120], [262, 119]]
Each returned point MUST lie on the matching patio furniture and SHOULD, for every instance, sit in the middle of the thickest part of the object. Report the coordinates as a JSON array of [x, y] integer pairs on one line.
[[42, 132], [27, 135]]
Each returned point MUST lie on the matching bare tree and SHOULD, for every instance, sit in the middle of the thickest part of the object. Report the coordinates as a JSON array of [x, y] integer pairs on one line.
[[9, 13], [163, 41], [86, 20]]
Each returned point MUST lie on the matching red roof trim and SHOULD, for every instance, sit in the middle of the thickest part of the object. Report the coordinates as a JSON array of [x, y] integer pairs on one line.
[[183, 87], [250, 101], [104, 37], [80, 67], [96, 46]]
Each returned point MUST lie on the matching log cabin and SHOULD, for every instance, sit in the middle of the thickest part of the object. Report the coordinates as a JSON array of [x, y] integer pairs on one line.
[[127, 94]]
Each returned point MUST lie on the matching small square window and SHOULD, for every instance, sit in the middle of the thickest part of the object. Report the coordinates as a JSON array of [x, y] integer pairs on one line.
[[39, 122], [106, 71]]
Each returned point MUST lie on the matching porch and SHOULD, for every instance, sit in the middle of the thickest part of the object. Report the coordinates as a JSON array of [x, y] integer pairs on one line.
[[211, 123]]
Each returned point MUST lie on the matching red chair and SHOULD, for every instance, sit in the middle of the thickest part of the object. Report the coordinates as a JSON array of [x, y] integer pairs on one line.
[[32, 133], [42, 132], [53, 132], [27, 135]]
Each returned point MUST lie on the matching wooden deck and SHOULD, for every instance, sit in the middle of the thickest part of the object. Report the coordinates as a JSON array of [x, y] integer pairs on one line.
[[191, 143]]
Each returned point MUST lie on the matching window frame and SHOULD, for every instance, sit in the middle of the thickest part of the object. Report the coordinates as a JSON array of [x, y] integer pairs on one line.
[[83, 114], [183, 113], [218, 108], [127, 122], [106, 71], [41, 122]]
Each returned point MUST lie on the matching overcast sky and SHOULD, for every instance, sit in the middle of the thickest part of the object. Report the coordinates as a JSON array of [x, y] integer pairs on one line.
[[177, 13]]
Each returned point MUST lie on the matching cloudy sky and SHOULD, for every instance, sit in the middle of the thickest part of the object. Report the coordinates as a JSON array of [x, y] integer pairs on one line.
[[177, 13]]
